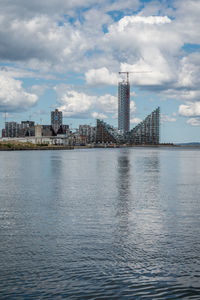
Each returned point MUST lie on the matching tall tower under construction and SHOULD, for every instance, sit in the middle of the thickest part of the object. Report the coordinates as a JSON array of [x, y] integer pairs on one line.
[[124, 106]]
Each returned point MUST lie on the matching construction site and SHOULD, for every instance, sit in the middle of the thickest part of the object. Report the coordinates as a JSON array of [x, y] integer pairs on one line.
[[146, 132]]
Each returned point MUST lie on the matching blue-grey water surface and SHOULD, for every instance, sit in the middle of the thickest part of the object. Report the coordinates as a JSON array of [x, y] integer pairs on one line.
[[100, 224]]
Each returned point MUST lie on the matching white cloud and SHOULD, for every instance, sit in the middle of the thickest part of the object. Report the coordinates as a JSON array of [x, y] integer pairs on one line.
[[135, 120], [125, 22], [82, 45], [107, 103], [58, 36], [96, 115], [32, 33], [194, 122], [80, 104], [132, 107], [101, 76], [139, 44], [42, 44], [189, 70], [74, 104], [155, 71], [13, 97], [190, 109]]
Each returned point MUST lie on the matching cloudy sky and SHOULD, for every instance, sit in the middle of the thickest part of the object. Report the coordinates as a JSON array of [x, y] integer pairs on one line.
[[67, 54]]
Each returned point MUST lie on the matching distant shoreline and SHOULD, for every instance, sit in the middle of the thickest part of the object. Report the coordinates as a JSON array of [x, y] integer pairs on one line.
[[25, 146]]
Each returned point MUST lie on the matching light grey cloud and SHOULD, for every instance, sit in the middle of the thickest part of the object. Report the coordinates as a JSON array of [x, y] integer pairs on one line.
[[187, 20], [194, 121], [43, 30], [166, 118], [22, 72], [97, 115], [39, 89], [28, 9], [190, 109]]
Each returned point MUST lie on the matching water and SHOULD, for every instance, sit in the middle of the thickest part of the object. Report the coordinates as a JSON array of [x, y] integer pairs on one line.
[[100, 224]]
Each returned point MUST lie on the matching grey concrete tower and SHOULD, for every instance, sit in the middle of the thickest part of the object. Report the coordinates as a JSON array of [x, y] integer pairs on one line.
[[124, 106]]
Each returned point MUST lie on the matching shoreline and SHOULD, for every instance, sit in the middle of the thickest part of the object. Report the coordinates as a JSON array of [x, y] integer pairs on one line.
[[31, 148], [21, 147]]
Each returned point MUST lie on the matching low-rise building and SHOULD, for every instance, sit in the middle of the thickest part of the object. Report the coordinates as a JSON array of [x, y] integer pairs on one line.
[[50, 140], [3, 133], [89, 132]]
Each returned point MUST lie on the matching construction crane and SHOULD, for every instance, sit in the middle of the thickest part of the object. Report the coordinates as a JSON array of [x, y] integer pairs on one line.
[[127, 74], [127, 105]]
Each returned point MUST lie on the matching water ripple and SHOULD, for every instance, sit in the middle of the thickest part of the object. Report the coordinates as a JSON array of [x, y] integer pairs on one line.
[[100, 224]]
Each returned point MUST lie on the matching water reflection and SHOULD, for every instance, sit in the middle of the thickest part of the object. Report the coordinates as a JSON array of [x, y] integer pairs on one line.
[[99, 224], [56, 169], [123, 184], [123, 180], [139, 217]]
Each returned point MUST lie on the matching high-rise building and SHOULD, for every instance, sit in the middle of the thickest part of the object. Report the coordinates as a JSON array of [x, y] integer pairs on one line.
[[124, 106], [56, 120]]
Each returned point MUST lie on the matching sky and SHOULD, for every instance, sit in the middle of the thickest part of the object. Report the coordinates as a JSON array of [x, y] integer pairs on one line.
[[68, 54]]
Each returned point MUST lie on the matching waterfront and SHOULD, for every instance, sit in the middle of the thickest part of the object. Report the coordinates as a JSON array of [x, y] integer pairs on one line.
[[100, 224]]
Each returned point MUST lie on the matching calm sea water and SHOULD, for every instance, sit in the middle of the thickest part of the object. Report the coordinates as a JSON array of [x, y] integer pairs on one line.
[[100, 224]]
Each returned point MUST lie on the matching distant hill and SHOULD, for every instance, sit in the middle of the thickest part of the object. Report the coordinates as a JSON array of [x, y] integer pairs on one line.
[[188, 144]]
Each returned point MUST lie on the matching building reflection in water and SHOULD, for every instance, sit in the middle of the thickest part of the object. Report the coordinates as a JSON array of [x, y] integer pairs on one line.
[[138, 206], [124, 193], [123, 182]]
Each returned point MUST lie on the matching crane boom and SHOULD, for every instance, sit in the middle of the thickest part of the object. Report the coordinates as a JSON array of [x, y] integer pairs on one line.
[[127, 74]]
